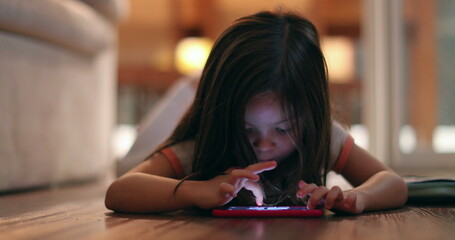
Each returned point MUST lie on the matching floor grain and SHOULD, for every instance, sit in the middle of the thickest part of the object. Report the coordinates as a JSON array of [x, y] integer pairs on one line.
[[85, 217]]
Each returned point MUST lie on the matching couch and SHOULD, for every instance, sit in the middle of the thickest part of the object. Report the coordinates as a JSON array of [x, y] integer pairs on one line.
[[58, 63]]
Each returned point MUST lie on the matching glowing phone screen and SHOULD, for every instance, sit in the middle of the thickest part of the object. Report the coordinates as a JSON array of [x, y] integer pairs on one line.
[[267, 208]]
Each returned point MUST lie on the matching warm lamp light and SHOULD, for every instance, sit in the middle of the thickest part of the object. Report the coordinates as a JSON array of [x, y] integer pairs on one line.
[[191, 54], [339, 55]]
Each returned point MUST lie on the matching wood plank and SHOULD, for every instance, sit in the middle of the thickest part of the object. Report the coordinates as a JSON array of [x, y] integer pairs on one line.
[[91, 220], [35, 199], [78, 212]]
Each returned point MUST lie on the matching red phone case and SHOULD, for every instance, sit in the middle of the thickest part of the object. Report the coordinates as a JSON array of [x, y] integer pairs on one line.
[[278, 211]]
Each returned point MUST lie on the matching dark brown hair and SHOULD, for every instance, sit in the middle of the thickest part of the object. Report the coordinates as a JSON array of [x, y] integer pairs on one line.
[[265, 52]]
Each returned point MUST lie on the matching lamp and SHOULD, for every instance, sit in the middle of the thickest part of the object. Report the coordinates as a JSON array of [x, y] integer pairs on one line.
[[339, 55], [191, 54]]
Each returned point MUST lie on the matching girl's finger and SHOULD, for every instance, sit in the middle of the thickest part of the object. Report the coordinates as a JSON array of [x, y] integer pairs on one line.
[[307, 189], [261, 167], [227, 190], [257, 191], [229, 170], [302, 184], [317, 197], [335, 194], [244, 173], [350, 200]]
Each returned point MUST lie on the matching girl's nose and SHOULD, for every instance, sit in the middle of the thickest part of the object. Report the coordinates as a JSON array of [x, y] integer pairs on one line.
[[264, 144]]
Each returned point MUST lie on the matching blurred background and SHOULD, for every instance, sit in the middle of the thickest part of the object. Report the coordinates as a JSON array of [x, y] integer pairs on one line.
[[390, 63], [82, 80]]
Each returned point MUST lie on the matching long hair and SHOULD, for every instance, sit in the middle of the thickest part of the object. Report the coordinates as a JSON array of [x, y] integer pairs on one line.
[[265, 52]]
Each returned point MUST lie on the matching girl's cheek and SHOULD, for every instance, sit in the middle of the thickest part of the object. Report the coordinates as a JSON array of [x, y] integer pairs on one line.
[[288, 144], [286, 139]]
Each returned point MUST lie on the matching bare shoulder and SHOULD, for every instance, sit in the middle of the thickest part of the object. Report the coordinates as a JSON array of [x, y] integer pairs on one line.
[[156, 164]]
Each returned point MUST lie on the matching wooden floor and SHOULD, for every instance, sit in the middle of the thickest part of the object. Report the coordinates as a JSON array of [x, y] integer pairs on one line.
[[79, 213]]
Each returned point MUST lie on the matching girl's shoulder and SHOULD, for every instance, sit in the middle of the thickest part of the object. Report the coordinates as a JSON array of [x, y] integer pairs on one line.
[[339, 133], [340, 147], [186, 146], [180, 156]]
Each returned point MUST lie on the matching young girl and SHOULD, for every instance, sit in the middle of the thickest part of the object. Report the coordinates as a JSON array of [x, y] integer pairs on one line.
[[259, 132]]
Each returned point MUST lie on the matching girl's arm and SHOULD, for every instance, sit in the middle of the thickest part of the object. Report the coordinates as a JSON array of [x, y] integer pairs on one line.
[[150, 188], [375, 186]]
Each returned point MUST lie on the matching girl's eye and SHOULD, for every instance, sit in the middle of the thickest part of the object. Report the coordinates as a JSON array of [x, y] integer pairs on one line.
[[283, 130], [249, 130]]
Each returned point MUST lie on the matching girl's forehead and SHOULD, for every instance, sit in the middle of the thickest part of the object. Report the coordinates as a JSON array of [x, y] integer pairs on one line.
[[266, 102], [263, 101], [264, 97], [264, 105]]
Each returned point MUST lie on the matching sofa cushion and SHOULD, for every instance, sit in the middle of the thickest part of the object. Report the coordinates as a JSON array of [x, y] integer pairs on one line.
[[79, 27], [113, 10], [57, 111]]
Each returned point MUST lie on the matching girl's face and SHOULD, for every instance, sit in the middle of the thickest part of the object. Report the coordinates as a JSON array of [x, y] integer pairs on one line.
[[268, 129]]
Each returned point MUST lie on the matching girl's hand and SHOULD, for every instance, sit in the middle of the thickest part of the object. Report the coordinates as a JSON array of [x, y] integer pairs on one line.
[[350, 202], [222, 189]]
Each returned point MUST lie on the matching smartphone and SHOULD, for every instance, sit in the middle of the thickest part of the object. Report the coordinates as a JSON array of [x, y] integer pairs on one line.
[[263, 211]]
